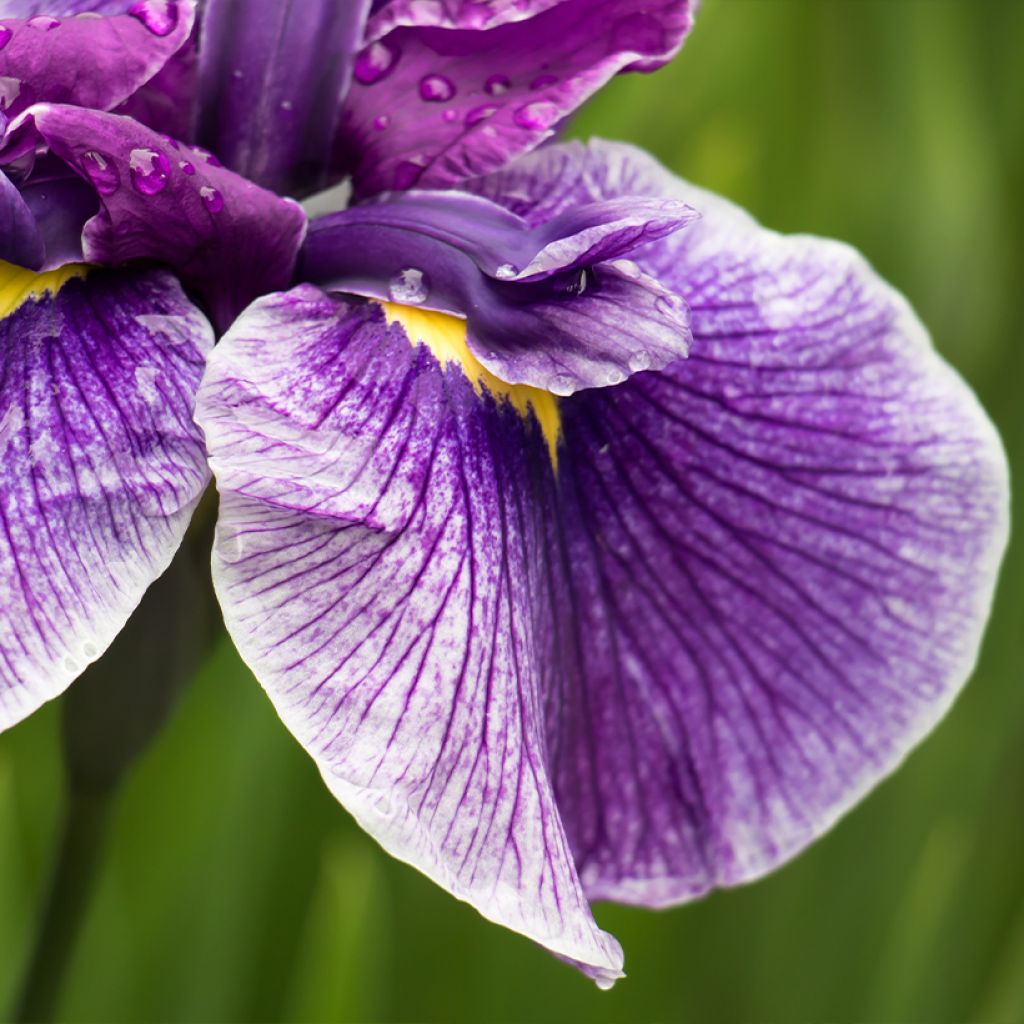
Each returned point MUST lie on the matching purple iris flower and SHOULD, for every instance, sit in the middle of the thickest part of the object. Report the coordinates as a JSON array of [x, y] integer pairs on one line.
[[595, 541]]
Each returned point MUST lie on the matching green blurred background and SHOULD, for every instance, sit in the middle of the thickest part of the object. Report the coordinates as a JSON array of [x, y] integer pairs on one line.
[[234, 889]]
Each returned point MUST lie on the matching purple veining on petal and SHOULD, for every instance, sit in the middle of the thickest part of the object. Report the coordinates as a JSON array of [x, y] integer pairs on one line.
[[100, 474]]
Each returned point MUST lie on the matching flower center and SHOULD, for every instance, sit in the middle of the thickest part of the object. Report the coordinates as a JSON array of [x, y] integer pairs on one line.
[[18, 285], [445, 336]]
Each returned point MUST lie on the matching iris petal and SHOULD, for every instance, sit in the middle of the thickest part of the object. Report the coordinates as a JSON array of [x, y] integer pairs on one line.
[[373, 563], [783, 550], [273, 76], [432, 106], [102, 463], [160, 200]]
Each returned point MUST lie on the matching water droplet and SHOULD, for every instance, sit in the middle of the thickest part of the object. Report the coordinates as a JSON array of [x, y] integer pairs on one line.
[[70, 665], [641, 33], [238, 74], [562, 385], [577, 283], [43, 22], [10, 90], [207, 156], [665, 306], [287, 105], [381, 122], [436, 88], [615, 376], [640, 361], [211, 198], [89, 650], [5, 36], [543, 81], [407, 173], [187, 168], [478, 114], [101, 172], [451, 114], [537, 116], [409, 287], [496, 85], [159, 16], [376, 62], [506, 272], [149, 170]]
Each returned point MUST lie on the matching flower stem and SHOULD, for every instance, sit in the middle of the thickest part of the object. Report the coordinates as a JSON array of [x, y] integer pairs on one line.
[[78, 857]]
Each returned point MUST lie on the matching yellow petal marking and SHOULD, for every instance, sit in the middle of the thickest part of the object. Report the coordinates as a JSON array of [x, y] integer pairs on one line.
[[445, 336], [18, 285]]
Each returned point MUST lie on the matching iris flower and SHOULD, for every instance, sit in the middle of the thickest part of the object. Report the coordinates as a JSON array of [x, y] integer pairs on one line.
[[596, 542]]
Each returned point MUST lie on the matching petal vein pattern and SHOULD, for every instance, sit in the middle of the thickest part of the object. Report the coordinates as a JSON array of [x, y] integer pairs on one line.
[[373, 560], [102, 463]]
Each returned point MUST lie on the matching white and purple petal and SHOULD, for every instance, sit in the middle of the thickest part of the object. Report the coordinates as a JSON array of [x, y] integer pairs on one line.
[[374, 559], [102, 463]]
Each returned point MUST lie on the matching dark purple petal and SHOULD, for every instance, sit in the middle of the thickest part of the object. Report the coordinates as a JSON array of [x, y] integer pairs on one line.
[[373, 563], [783, 550], [160, 200], [464, 14], [539, 312], [168, 102], [20, 241], [95, 61], [274, 73], [432, 106], [101, 462]]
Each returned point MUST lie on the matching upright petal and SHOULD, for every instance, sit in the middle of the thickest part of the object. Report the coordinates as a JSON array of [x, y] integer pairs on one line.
[[163, 201], [374, 563], [783, 550], [443, 92], [274, 73], [95, 62], [102, 463]]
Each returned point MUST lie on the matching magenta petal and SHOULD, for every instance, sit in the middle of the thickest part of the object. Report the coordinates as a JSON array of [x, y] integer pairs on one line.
[[430, 107], [95, 62], [160, 200]]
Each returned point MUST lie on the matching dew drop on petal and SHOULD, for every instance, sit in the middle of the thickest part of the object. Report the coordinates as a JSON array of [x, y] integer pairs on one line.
[[5, 36], [562, 384], [615, 376], [101, 172], [451, 114], [381, 122], [537, 116], [211, 198], [287, 105], [481, 113], [543, 81], [436, 88], [409, 286], [43, 22], [407, 173], [207, 156], [376, 62], [187, 168], [10, 90], [640, 361], [506, 272], [496, 85], [149, 170], [159, 16]]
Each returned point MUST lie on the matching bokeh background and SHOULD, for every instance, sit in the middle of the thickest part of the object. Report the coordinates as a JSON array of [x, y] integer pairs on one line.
[[234, 889]]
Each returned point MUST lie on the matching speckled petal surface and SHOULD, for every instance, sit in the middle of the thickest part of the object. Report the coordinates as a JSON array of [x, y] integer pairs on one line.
[[102, 463]]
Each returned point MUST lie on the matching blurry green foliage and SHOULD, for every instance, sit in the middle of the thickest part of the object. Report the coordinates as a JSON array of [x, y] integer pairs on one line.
[[236, 890]]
